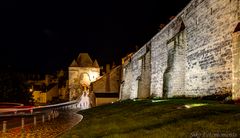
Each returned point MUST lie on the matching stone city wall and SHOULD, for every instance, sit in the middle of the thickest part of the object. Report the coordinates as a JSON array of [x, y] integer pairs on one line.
[[192, 55], [136, 75]]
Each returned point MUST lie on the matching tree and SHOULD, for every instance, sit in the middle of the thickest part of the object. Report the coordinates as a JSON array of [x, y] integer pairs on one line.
[[13, 87]]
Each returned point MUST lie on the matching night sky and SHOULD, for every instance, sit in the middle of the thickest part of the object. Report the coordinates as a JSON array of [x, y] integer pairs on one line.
[[46, 36]]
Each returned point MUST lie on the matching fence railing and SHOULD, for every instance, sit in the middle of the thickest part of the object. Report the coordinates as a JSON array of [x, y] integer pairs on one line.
[[25, 115]]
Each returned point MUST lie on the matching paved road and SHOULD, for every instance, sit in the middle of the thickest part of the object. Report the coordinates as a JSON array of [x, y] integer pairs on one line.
[[50, 129]]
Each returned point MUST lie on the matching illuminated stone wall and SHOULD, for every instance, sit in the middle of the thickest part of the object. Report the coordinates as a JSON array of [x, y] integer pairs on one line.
[[209, 25], [126, 84], [192, 55], [81, 76], [109, 82], [136, 75], [236, 66], [106, 88], [144, 79]]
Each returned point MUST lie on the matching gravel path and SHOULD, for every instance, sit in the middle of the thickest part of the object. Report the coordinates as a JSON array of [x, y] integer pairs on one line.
[[49, 129]]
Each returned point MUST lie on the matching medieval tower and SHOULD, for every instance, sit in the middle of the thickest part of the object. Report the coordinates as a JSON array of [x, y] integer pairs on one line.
[[82, 72]]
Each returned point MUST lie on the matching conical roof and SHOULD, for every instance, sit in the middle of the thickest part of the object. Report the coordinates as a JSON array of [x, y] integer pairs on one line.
[[95, 64], [84, 60], [74, 64]]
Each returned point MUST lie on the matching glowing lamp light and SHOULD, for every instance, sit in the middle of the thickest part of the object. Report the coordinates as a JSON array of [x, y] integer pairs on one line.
[[194, 105], [135, 100], [157, 101]]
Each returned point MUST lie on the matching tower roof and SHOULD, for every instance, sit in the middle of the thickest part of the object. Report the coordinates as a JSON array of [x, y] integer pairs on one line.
[[95, 64], [74, 64], [84, 60]]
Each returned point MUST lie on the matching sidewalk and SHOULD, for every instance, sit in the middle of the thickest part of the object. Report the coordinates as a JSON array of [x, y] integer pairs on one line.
[[49, 129]]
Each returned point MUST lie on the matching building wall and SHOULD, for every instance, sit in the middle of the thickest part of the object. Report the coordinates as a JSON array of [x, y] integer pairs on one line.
[[53, 92], [144, 80], [236, 66], [63, 93], [44, 97], [107, 85], [36, 96], [192, 55], [39, 97], [109, 82], [114, 79], [102, 101], [136, 75], [126, 83], [81, 76], [174, 74]]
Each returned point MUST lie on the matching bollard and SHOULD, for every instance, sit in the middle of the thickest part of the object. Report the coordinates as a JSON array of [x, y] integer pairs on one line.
[[22, 123], [43, 118], [35, 120], [4, 126]]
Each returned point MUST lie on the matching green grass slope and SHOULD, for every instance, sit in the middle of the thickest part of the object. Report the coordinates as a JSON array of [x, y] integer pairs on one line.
[[159, 118]]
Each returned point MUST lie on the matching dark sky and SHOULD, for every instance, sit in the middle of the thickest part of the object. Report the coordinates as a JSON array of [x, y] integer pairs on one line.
[[46, 36]]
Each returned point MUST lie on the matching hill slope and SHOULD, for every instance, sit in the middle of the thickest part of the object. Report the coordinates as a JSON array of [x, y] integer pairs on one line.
[[159, 118]]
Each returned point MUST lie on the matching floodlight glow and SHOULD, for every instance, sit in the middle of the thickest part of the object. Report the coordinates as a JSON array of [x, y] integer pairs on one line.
[[157, 101], [194, 105]]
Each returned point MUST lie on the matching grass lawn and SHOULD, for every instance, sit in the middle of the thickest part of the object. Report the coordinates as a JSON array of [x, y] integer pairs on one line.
[[158, 118]]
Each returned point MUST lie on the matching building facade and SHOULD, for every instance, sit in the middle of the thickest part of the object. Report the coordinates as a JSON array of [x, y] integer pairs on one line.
[[44, 91], [82, 72]]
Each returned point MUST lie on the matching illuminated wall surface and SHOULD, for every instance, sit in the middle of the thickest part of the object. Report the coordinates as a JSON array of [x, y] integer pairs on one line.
[[196, 54], [106, 88], [40, 96], [109, 82], [81, 73]]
